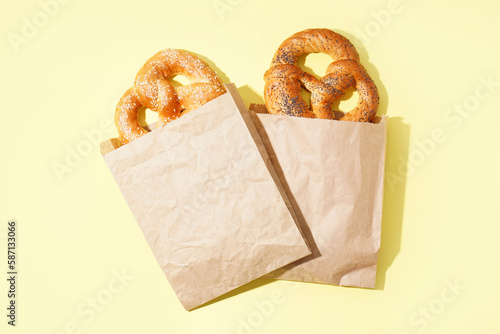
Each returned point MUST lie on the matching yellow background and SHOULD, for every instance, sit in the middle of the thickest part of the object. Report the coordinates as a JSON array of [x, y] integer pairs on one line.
[[60, 83]]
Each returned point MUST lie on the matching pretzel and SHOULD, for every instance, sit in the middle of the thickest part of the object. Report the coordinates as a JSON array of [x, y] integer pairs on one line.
[[283, 86], [284, 80], [153, 90], [314, 41], [368, 94]]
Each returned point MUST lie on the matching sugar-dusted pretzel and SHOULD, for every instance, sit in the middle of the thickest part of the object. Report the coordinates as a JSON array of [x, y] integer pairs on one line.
[[153, 90], [284, 80]]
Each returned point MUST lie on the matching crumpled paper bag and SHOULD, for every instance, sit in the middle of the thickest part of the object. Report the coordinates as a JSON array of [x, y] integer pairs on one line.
[[333, 174], [208, 200]]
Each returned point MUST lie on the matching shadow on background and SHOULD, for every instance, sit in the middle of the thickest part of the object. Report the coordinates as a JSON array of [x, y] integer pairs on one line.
[[398, 142], [222, 75], [246, 287], [250, 96], [398, 138], [247, 94]]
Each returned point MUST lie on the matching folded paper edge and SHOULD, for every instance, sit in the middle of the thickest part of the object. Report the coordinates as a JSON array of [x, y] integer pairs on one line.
[[262, 109], [254, 132]]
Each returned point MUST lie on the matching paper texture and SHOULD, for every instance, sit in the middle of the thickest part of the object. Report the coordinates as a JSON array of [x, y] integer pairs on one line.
[[333, 173], [202, 191]]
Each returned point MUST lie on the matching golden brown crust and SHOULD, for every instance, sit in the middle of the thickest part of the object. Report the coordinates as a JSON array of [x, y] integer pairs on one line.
[[153, 90], [284, 80], [126, 120], [282, 91], [314, 41], [368, 100]]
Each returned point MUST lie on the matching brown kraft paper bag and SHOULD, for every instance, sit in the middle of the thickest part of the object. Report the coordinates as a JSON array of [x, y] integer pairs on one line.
[[208, 200], [333, 174]]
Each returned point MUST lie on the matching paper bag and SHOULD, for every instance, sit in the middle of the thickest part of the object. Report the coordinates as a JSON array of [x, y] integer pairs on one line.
[[333, 173], [208, 200]]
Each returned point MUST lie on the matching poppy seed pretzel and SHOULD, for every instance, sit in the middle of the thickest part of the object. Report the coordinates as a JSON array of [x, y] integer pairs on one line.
[[284, 80], [368, 99]]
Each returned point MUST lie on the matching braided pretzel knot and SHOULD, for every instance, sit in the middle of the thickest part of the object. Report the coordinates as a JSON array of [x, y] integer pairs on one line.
[[285, 79], [153, 90]]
